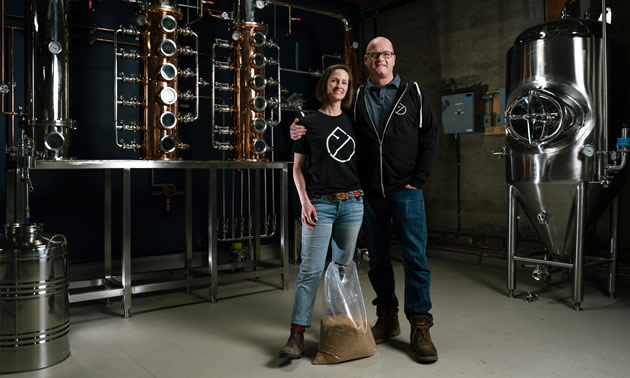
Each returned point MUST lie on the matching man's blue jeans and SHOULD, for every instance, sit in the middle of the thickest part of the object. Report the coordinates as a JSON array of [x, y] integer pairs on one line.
[[340, 220], [405, 209]]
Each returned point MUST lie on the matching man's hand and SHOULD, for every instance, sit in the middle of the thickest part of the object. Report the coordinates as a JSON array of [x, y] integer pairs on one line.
[[296, 131], [410, 186]]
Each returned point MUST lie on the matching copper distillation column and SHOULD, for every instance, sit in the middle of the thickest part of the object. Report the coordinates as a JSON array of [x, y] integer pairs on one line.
[[159, 54], [249, 124]]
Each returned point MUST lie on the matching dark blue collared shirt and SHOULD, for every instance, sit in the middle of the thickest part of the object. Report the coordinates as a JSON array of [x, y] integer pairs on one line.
[[380, 101]]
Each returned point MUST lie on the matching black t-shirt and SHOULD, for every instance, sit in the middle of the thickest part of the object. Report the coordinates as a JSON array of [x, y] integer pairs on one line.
[[330, 144]]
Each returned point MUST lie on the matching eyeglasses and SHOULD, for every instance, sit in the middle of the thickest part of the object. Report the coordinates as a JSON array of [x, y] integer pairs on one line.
[[376, 54]]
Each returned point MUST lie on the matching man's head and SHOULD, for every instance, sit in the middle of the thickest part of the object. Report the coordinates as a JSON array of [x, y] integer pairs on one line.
[[380, 60]]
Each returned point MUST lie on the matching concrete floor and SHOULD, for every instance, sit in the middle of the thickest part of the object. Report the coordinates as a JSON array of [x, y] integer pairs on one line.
[[478, 331]]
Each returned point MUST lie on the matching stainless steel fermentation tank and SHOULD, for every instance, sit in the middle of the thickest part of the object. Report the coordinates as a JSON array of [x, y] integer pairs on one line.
[[34, 303], [561, 134], [48, 121], [159, 74], [248, 105]]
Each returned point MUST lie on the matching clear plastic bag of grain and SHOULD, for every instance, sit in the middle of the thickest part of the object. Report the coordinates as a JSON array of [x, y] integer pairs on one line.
[[345, 333]]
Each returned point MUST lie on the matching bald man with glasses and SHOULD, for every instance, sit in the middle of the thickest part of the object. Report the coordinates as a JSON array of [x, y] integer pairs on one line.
[[397, 141]]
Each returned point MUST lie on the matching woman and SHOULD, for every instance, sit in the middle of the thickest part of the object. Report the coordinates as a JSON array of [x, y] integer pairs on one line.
[[327, 181]]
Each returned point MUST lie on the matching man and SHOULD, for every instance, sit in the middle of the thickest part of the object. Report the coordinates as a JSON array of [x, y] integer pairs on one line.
[[397, 137]]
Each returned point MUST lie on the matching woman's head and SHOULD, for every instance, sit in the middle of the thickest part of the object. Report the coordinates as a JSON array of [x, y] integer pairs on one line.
[[334, 85]]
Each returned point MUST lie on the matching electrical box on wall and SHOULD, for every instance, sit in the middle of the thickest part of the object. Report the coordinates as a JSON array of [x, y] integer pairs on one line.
[[458, 113]]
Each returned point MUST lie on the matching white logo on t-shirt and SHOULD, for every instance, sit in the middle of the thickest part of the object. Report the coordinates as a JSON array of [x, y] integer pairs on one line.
[[338, 145], [401, 109]]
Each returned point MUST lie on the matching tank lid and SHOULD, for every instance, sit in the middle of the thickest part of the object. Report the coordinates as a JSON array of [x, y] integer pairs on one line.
[[570, 27]]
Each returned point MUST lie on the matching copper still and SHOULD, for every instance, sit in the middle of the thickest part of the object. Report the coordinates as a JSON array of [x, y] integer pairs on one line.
[[159, 55], [248, 106]]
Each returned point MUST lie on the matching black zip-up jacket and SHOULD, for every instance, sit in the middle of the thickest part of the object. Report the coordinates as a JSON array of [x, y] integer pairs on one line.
[[404, 152]]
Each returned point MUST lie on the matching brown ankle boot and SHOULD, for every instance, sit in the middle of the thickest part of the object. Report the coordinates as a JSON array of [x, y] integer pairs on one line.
[[295, 345], [386, 326], [421, 343]]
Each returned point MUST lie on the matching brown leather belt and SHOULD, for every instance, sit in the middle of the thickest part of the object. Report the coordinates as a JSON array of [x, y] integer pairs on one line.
[[341, 196]]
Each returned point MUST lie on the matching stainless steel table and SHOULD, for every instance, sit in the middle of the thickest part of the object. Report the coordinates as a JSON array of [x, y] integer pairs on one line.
[[124, 287]]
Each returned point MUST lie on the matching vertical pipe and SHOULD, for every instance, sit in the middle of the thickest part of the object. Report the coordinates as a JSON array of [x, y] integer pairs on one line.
[[604, 114], [256, 217], [614, 232], [108, 223], [189, 246], [126, 247], [511, 245], [212, 234], [12, 85], [578, 260]]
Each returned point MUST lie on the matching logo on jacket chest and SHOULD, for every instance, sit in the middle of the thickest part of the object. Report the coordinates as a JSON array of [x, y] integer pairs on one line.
[[340, 145], [400, 109]]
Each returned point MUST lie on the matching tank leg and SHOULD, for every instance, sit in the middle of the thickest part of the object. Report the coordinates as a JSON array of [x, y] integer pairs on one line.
[[577, 306], [614, 232], [127, 313], [578, 261], [511, 244]]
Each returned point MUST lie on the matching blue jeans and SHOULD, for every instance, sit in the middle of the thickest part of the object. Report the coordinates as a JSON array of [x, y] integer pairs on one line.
[[405, 209], [342, 221]]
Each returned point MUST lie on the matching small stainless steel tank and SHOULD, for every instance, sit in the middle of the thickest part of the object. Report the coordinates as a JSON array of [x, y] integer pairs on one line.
[[34, 303]]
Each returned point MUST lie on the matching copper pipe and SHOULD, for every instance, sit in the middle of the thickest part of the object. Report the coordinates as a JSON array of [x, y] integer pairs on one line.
[[12, 15], [105, 40]]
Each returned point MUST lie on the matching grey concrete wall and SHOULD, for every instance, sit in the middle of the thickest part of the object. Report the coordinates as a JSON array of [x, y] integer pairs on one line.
[[449, 46]]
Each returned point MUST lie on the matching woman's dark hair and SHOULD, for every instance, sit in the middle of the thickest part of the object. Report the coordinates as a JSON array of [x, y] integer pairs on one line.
[[321, 91]]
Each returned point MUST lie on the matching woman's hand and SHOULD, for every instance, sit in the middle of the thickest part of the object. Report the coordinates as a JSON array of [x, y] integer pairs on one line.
[[309, 215]]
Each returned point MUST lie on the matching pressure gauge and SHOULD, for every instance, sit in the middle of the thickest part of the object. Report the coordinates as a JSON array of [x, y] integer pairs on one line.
[[588, 150], [260, 4], [236, 35], [54, 47]]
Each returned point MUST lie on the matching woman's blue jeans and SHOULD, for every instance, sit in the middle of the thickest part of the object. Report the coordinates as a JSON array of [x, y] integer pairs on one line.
[[340, 220], [405, 209]]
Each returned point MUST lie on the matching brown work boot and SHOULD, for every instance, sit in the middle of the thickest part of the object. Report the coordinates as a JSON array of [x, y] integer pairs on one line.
[[295, 345], [421, 343], [386, 326]]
